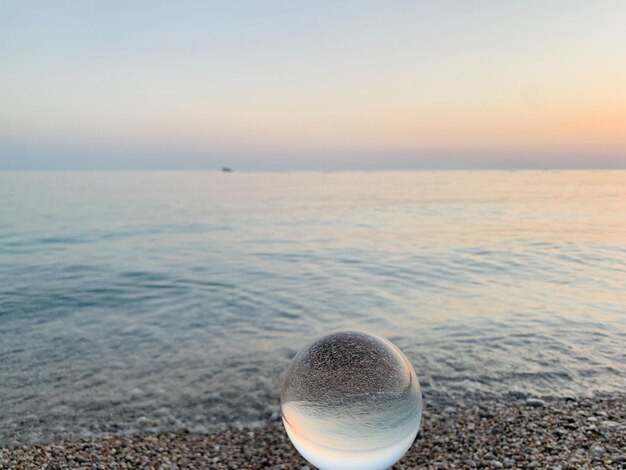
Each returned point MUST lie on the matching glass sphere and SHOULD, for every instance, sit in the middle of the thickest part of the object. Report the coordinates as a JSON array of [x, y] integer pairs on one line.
[[351, 400]]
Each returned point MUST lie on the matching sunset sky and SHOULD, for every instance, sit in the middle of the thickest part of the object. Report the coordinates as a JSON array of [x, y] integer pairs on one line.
[[282, 85]]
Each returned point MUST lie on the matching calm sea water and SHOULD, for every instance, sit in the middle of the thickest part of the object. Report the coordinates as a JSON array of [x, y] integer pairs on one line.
[[161, 300]]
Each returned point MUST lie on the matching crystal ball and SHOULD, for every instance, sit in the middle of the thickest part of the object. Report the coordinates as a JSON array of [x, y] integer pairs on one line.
[[351, 400]]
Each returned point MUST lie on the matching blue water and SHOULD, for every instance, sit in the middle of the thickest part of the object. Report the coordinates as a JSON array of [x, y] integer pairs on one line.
[[157, 300]]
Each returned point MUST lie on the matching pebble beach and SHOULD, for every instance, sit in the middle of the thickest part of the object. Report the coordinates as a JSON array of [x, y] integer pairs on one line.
[[563, 434]]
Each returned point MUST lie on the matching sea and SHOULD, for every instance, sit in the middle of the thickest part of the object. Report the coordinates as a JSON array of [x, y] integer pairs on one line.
[[167, 300]]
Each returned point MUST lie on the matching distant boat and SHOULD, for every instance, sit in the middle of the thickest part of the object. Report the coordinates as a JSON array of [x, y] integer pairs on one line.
[[225, 169]]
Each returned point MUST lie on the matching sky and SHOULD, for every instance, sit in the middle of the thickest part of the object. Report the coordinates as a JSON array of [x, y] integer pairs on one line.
[[322, 85]]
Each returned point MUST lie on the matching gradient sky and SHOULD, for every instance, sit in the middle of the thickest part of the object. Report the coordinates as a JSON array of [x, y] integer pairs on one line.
[[312, 85]]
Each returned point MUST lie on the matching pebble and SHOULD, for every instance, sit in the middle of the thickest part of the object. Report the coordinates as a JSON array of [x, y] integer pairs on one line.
[[597, 451], [137, 393], [163, 411], [535, 402], [143, 422]]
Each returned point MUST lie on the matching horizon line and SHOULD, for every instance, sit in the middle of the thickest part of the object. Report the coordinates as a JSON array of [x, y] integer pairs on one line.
[[302, 170]]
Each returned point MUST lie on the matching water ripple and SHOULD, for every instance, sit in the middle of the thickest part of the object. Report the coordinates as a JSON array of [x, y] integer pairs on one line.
[[191, 292]]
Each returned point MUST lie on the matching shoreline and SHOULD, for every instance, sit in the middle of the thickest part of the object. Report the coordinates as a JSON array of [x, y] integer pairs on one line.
[[545, 434]]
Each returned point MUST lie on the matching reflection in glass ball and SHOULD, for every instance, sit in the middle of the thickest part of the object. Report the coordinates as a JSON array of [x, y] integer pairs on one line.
[[351, 400]]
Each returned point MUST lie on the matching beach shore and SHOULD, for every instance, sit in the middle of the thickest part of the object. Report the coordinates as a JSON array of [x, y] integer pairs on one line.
[[527, 433]]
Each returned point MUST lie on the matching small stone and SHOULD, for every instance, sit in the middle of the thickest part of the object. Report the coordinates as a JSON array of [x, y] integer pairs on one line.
[[137, 393], [62, 410], [199, 429], [609, 424], [597, 451], [143, 422], [535, 402], [163, 411]]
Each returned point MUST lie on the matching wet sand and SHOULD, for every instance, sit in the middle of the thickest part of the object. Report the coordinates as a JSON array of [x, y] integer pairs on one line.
[[553, 434]]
